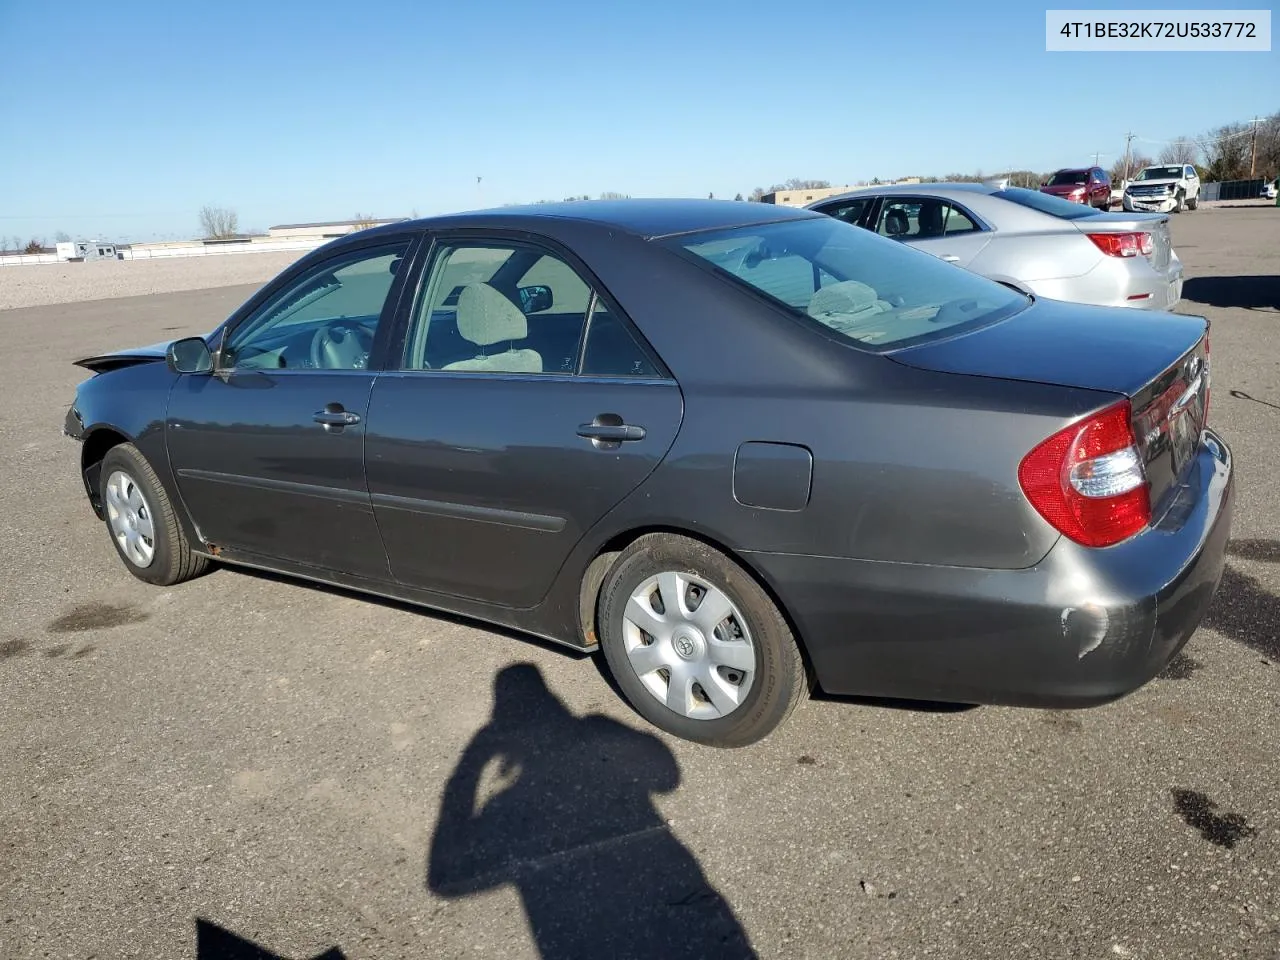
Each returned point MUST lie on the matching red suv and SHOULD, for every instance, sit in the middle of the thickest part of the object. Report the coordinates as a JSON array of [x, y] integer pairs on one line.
[[1087, 185]]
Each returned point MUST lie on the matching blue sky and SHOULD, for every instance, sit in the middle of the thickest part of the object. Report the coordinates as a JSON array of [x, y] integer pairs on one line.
[[121, 120]]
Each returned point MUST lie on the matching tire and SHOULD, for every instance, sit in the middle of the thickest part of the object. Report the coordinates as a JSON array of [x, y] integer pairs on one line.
[[133, 501], [1178, 202], [753, 629], [1193, 202]]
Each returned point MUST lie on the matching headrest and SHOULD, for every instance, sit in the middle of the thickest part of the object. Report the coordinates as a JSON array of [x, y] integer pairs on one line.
[[486, 317], [895, 223], [844, 298]]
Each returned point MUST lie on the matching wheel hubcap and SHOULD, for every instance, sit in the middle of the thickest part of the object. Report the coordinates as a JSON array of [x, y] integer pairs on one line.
[[130, 518], [689, 645]]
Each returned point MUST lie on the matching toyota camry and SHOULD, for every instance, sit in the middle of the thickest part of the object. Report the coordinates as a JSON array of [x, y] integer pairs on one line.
[[742, 451]]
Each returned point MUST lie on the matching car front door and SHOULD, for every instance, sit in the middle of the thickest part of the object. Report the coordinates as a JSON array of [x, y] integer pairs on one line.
[[935, 226], [268, 449], [526, 407]]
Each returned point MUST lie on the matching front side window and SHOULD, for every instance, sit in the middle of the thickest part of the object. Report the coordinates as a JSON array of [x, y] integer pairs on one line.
[[850, 211], [323, 320], [876, 294]]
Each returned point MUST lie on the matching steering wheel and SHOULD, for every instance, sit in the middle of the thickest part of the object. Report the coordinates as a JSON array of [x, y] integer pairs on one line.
[[341, 346]]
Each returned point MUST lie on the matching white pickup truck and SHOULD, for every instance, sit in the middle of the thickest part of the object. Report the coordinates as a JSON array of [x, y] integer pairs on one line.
[[1163, 188]]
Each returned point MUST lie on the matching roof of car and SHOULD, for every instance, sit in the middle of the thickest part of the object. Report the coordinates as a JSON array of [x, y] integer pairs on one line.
[[647, 218], [926, 189]]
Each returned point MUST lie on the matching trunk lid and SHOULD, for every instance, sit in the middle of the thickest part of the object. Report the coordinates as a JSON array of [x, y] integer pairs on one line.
[[1159, 361]]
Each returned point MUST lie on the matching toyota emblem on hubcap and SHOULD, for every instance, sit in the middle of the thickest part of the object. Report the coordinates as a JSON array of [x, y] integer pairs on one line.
[[684, 646]]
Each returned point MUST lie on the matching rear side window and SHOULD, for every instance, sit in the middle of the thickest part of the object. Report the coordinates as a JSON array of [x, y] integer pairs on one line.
[[873, 292], [1046, 203], [919, 218], [611, 350]]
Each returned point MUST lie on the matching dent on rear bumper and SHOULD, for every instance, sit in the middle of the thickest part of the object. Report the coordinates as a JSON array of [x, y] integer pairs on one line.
[[1081, 628]]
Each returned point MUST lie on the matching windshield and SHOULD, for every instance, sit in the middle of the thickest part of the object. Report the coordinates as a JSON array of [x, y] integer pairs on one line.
[[1160, 173], [879, 293], [1046, 203], [1068, 178]]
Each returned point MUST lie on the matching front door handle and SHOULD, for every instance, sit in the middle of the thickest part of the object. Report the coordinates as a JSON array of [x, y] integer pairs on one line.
[[949, 258], [607, 431], [334, 418]]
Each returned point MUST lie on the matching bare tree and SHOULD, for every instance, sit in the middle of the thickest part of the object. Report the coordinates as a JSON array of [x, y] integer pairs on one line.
[[62, 237], [737, 196], [1268, 162], [614, 195], [1181, 150], [1136, 162], [34, 246], [756, 195], [363, 221], [218, 223], [1227, 153]]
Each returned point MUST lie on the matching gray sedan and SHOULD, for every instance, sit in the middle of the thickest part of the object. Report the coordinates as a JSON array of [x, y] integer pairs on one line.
[[738, 449], [1033, 242]]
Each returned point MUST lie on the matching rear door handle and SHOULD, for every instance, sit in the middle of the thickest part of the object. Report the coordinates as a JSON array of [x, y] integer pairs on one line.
[[614, 432], [336, 418]]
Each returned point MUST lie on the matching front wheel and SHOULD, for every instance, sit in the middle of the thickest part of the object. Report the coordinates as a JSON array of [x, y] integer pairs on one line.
[[141, 521], [1178, 202], [698, 648], [1193, 202]]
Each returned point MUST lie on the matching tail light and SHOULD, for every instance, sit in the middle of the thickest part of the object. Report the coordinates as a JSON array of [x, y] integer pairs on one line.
[[1208, 379], [1088, 480], [1123, 244]]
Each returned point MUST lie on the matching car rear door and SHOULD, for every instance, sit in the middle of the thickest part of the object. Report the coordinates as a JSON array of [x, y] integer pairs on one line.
[[505, 435], [268, 449]]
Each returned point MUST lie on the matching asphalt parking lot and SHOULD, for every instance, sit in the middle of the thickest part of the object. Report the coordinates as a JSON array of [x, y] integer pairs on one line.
[[245, 763]]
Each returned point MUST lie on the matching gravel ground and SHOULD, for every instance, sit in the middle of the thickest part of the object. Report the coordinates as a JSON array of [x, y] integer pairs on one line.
[[48, 283], [244, 760]]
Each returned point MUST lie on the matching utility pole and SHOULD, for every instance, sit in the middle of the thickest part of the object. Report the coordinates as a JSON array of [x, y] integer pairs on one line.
[[1128, 139], [1098, 156], [1253, 146]]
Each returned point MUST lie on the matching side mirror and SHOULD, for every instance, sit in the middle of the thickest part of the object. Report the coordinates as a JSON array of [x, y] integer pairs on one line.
[[535, 298], [189, 355]]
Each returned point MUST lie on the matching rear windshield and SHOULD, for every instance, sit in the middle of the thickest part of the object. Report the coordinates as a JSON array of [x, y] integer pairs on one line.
[[1068, 178], [1046, 203], [879, 293]]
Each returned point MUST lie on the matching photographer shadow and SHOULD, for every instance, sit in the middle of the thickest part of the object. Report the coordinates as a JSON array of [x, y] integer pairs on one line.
[[560, 807]]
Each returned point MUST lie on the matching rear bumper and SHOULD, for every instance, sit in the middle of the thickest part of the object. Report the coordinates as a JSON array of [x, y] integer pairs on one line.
[[1131, 282], [1082, 627]]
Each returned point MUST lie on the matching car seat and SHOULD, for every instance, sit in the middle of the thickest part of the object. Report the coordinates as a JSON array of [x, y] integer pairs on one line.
[[487, 318]]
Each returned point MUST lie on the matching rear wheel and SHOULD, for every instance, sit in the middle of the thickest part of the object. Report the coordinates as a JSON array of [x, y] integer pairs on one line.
[[141, 520], [696, 645]]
